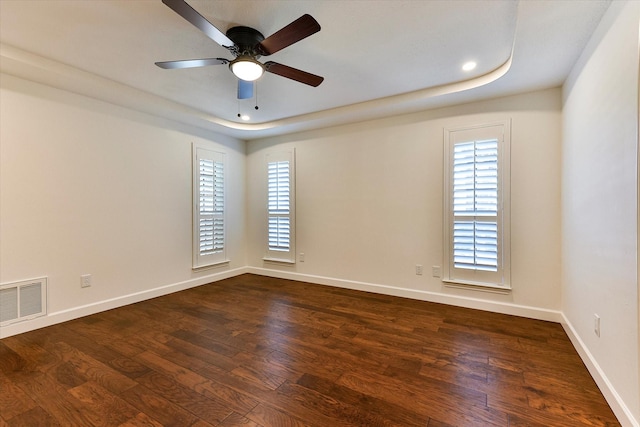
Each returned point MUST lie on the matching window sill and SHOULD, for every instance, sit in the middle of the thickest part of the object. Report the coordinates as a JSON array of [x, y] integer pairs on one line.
[[477, 286], [213, 265], [278, 261]]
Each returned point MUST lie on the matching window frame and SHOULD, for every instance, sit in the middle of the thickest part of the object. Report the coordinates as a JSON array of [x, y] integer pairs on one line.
[[200, 260], [500, 280], [272, 255]]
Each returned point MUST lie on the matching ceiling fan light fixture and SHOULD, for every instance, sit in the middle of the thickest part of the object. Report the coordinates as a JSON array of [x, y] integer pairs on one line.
[[246, 68]]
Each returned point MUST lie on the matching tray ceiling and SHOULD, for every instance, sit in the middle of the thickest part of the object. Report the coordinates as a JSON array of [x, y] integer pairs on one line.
[[377, 57]]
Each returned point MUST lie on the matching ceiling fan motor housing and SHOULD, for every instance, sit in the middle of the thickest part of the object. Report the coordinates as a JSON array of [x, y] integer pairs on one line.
[[247, 41]]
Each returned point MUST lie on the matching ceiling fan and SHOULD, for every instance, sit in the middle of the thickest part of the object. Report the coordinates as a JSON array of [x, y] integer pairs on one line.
[[247, 45]]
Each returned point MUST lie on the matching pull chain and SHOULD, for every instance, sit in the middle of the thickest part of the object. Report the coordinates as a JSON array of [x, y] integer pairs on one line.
[[256, 89]]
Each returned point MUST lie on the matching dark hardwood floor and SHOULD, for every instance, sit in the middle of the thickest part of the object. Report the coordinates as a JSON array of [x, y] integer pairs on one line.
[[257, 351]]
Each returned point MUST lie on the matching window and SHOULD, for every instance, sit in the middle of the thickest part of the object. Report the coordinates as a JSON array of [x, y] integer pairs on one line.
[[477, 205], [209, 246], [280, 207]]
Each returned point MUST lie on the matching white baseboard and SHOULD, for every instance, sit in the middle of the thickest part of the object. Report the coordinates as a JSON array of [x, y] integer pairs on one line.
[[96, 307], [460, 301], [614, 400]]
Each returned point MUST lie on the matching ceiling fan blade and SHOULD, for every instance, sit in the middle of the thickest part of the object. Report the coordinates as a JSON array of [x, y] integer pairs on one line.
[[191, 63], [245, 89], [293, 73], [190, 14], [294, 32]]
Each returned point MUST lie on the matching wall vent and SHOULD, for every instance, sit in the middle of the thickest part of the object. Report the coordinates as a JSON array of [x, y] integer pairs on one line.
[[24, 300]]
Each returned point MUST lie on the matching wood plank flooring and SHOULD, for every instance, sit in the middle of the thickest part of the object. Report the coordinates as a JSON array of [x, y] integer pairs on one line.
[[256, 351]]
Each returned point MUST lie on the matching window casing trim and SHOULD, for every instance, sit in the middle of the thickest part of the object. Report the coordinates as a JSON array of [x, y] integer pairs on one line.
[[277, 260], [219, 257], [278, 255], [499, 281], [477, 286]]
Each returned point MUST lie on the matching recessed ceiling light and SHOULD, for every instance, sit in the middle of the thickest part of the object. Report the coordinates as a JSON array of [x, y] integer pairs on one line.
[[245, 117], [468, 66]]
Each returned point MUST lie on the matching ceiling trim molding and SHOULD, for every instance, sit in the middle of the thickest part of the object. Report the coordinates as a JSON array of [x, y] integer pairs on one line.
[[395, 104], [29, 66]]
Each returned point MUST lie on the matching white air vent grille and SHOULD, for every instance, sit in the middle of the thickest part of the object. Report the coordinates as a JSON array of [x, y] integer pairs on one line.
[[23, 300]]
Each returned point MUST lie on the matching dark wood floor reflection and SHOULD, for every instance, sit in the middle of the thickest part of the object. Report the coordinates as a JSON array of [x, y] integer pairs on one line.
[[257, 351]]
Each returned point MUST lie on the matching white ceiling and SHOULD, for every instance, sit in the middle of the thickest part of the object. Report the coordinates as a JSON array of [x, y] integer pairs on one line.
[[378, 57]]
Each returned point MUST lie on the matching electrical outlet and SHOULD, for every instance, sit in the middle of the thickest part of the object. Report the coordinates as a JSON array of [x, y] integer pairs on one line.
[[301, 257], [418, 269], [435, 271], [596, 324], [85, 280]]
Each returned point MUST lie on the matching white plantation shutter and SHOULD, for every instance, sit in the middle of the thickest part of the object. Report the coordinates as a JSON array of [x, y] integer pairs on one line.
[[475, 205], [280, 206], [476, 208], [209, 209]]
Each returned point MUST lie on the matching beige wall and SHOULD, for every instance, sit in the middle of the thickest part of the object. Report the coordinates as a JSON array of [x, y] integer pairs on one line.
[[369, 201], [90, 188], [599, 186]]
